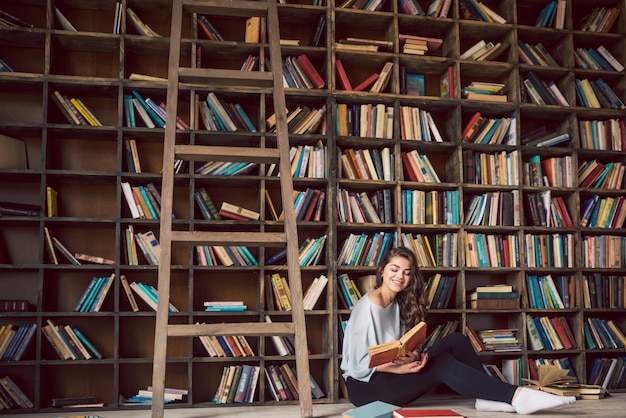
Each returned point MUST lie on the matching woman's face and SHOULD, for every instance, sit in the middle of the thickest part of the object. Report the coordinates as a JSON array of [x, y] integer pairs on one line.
[[397, 274]]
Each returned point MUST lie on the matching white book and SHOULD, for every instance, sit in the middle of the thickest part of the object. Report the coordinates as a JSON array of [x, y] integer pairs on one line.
[[63, 21], [557, 93], [610, 58], [147, 120], [278, 342], [76, 340], [128, 194], [316, 292], [380, 120], [386, 158], [433, 128], [389, 123], [492, 14]]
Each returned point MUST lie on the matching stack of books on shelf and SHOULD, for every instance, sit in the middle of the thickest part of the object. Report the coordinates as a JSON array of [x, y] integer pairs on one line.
[[500, 340], [299, 72], [364, 208], [363, 45], [550, 333], [237, 213], [151, 114], [413, 44], [546, 292], [439, 290], [484, 130], [476, 10], [149, 295], [493, 208], [282, 381], [14, 340], [93, 297], [225, 168], [501, 168], [418, 167], [603, 292], [366, 164], [306, 161], [435, 250], [597, 59], [149, 246], [543, 93], [597, 94], [18, 209], [607, 134], [601, 19], [494, 297], [479, 90], [238, 384], [603, 334], [411, 7], [555, 250], [552, 15], [595, 250], [418, 124], [483, 51], [52, 243], [430, 207], [313, 292], [607, 373], [303, 120], [365, 120], [217, 114], [535, 54], [348, 291], [489, 250], [208, 29], [596, 175], [144, 202], [310, 252], [74, 110], [11, 396], [607, 212], [225, 306], [362, 250], [69, 343], [226, 346], [145, 396]]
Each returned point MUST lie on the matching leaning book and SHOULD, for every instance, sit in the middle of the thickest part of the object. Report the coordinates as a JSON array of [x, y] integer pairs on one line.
[[387, 352]]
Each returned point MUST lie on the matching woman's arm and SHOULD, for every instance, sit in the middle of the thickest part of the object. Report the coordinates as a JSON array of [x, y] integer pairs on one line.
[[412, 363]]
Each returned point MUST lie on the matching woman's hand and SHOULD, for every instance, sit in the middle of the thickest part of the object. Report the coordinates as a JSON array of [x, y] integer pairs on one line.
[[412, 363]]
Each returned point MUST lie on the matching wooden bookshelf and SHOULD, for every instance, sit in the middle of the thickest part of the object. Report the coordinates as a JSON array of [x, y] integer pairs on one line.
[[86, 165]]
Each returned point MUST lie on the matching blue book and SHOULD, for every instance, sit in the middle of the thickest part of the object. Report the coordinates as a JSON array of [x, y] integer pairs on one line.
[[542, 334], [239, 308], [14, 343], [28, 335], [129, 111], [155, 118], [86, 293], [245, 118], [87, 343], [93, 293], [376, 409]]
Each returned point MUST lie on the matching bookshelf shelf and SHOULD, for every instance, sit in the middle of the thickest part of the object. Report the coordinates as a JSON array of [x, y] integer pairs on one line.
[[87, 165]]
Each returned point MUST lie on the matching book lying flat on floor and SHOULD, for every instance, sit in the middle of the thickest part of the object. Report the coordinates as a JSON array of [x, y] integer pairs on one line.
[[376, 409], [384, 353], [425, 413]]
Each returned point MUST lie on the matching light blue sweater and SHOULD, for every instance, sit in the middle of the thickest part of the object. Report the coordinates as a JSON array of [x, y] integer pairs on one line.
[[369, 325]]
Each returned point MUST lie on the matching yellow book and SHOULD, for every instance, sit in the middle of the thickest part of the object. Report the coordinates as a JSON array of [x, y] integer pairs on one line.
[[51, 200], [271, 205], [277, 282], [83, 111], [253, 29]]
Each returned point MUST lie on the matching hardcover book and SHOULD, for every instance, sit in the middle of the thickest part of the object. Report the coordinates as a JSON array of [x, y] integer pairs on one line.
[[387, 352]]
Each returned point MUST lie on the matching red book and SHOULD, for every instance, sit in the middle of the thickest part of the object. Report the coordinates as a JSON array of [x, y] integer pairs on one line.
[[424, 413], [560, 331], [367, 82], [228, 215], [309, 69], [342, 76], [312, 205], [319, 208], [472, 122], [407, 165], [592, 177]]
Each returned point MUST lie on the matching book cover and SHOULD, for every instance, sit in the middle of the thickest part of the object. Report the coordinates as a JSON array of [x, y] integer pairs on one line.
[[385, 353], [376, 409], [424, 413]]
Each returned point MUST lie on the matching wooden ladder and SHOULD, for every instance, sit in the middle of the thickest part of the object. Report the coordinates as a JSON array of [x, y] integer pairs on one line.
[[270, 81]]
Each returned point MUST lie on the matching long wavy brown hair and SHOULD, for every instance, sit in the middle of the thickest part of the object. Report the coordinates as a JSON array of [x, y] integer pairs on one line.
[[411, 300]]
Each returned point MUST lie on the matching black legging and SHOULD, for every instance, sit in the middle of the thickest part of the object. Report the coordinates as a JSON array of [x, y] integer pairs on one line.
[[451, 361]]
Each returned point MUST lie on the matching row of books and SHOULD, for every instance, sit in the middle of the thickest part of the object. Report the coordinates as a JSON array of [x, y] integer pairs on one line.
[[546, 210], [151, 114], [299, 72], [500, 168], [440, 331], [11, 396], [550, 333], [418, 125], [430, 207], [597, 94], [418, 167], [489, 250], [438, 290], [363, 250], [313, 292], [303, 120], [552, 15], [555, 250], [238, 384], [74, 110], [610, 373], [14, 340], [374, 207], [306, 161], [365, 120], [493, 208], [148, 245], [218, 115], [607, 134], [205, 203], [149, 295], [94, 294], [603, 334], [597, 59], [547, 292], [596, 175], [225, 168], [215, 255], [548, 172], [366, 164], [476, 10], [348, 293], [541, 92], [69, 343], [535, 54], [482, 90], [600, 19], [144, 202], [483, 130], [603, 251], [482, 51], [310, 252], [603, 292], [437, 250], [226, 345], [607, 212]]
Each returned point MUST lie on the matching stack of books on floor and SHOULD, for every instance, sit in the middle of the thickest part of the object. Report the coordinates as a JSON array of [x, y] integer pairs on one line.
[[494, 297]]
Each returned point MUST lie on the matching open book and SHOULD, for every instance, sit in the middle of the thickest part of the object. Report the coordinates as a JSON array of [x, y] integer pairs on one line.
[[384, 353], [555, 380]]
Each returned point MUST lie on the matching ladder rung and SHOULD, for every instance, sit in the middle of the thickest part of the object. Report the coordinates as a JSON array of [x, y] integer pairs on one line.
[[252, 239], [235, 154], [245, 329], [224, 77], [226, 7]]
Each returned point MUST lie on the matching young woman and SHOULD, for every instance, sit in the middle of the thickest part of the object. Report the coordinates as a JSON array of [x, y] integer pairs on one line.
[[382, 315]]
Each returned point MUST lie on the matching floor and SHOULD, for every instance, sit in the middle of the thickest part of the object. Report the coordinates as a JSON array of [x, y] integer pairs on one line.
[[612, 406]]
